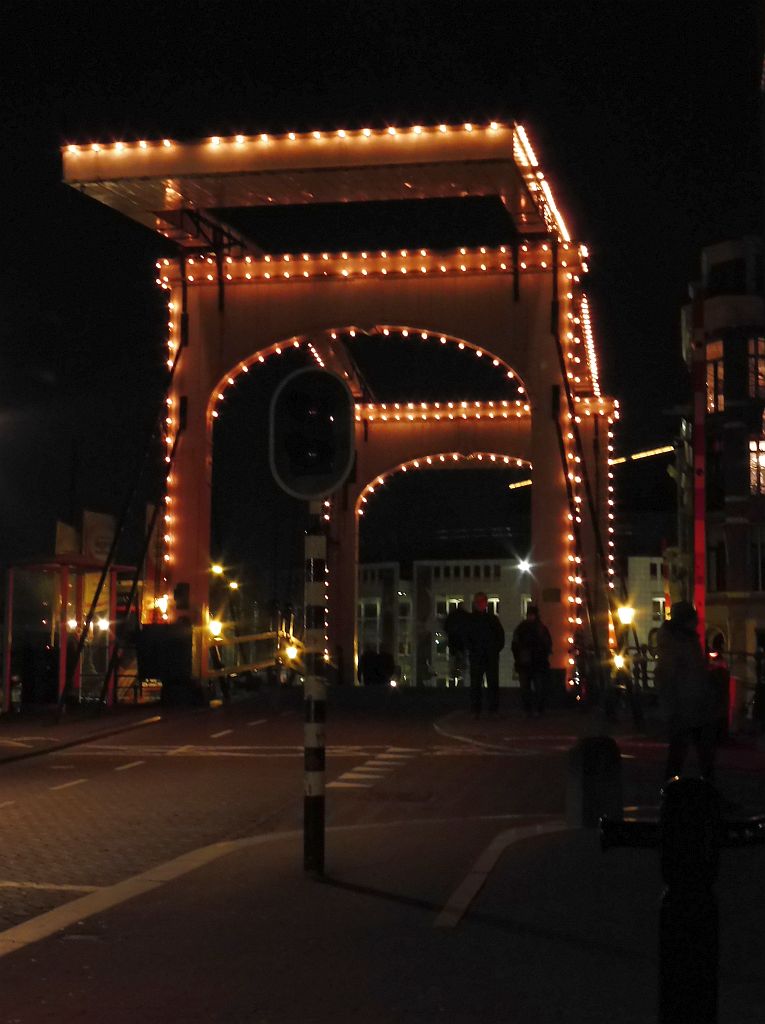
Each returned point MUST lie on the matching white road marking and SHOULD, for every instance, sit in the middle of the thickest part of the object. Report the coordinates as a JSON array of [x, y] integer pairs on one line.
[[396, 758], [130, 764], [67, 785], [49, 886], [471, 885], [56, 920], [179, 750], [404, 750], [258, 721], [223, 732], [361, 775], [15, 743], [349, 785]]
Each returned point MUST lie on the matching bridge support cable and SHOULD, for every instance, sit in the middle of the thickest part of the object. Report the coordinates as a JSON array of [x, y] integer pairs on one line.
[[156, 430], [117, 647]]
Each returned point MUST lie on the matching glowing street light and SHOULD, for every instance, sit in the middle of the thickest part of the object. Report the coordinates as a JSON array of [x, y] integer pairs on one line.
[[71, 623], [216, 628], [524, 565], [626, 614], [291, 652], [103, 625], [233, 585], [217, 570]]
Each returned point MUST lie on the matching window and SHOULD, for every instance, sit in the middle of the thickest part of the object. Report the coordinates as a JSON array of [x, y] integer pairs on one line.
[[715, 377], [757, 557], [456, 572], [654, 570], [496, 571], [494, 605], [437, 572], [756, 367], [404, 609], [476, 572], [439, 643], [658, 605], [716, 568], [441, 607], [466, 572], [447, 572], [487, 572], [369, 625], [452, 603], [727, 278], [757, 466]]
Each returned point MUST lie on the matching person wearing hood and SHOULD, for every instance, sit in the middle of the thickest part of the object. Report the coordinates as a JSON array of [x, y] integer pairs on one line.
[[686, 696]]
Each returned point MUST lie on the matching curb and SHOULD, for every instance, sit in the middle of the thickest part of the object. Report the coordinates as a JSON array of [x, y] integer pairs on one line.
[[79, 741]]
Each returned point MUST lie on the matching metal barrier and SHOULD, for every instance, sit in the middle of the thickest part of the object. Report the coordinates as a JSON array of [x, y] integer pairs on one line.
[[689, 835], [253, 653]]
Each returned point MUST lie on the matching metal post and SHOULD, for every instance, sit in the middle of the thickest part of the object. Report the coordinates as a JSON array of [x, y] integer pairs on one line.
[[63, 629], [314, 690], [699, 378], [8, 645], [111, 643], [688, 928]]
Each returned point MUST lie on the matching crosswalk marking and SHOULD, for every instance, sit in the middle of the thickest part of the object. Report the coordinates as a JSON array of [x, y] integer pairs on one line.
[[125, 767], [349, 785]]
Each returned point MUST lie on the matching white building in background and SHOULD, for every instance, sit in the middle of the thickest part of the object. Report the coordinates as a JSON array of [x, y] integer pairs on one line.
[[646, 587], [404, 617]]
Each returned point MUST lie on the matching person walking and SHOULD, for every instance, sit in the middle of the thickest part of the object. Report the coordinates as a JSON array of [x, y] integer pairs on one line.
[[485, 639], [532, 647], [686, 694]]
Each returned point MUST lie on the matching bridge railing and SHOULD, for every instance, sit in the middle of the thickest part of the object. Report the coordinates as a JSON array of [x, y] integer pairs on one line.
[[232, 655]]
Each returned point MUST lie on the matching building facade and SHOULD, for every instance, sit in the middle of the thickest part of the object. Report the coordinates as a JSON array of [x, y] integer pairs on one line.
[[727, 318], [403, 613]]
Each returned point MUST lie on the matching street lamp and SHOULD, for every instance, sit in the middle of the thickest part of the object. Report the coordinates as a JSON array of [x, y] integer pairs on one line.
[[216, 627], [626, 614], [291, 652], [524, 565], [217, 570]]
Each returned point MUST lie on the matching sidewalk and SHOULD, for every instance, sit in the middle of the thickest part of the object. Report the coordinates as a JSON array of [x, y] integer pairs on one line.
[[559, 933]]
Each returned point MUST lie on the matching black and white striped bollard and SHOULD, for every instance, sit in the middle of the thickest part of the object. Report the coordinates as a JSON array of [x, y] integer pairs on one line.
[[314, 690]]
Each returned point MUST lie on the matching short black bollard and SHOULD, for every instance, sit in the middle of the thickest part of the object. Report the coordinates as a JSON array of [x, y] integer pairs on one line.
[[689, 845], [594, 782], [689, 835]]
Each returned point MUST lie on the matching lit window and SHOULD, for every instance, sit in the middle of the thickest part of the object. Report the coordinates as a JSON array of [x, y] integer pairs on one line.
[[757, 466], [715, 377], [658, 607], [756, 367]]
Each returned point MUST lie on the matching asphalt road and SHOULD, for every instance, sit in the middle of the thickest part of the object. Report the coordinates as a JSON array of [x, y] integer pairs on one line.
[[92, 815], [156, 875]]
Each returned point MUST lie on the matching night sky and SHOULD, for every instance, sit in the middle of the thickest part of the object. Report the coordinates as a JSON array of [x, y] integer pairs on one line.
[[645, 116]]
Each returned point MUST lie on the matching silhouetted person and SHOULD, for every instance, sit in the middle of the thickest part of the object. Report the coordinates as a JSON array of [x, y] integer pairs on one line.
[[485, 639], [686, 694], [532, 647]]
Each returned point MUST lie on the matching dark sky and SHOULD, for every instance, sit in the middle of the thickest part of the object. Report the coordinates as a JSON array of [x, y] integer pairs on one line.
[[645, 116]]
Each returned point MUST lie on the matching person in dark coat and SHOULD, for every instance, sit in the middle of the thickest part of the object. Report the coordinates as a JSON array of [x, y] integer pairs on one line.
[[485, 639], [686, 694], [532, 647]]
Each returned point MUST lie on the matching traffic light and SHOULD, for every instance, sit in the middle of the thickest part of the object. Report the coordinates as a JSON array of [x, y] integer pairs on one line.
[[311, 427]]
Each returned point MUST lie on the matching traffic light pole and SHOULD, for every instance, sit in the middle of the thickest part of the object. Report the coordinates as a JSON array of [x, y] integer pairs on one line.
[[314, 690]]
